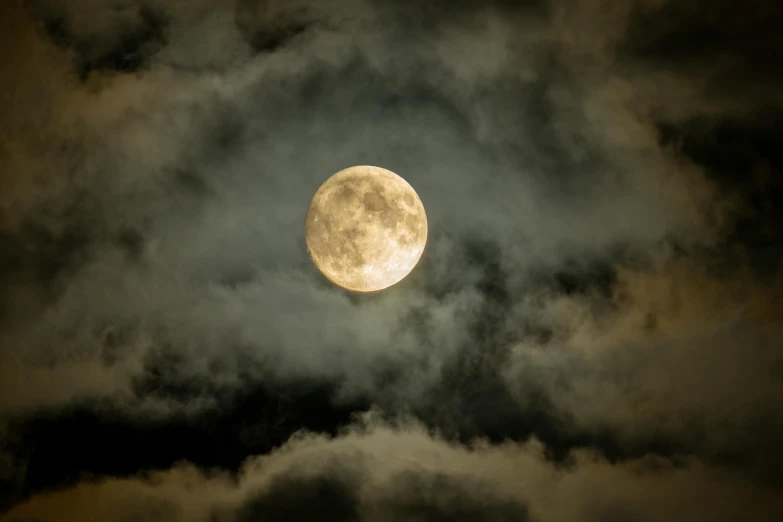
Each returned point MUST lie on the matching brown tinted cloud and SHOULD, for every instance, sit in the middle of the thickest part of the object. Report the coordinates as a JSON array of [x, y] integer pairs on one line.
[[598, 302]]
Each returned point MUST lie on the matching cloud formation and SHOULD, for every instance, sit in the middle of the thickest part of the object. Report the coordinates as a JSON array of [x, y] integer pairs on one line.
[[595, 279], [386, 473]]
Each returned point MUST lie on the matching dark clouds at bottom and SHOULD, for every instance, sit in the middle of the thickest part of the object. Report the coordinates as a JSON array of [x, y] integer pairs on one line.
[[380, 472], [592, 333]]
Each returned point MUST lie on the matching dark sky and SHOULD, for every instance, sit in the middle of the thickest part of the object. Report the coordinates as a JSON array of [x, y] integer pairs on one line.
[[592, 335]]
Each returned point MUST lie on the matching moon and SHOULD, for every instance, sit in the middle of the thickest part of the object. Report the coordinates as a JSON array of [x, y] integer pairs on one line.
[[366, 228]]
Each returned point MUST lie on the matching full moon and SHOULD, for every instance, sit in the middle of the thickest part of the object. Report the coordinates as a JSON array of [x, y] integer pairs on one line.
[[365, 228]]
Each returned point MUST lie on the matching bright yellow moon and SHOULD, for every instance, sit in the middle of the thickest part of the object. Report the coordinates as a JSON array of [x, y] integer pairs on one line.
[[366, 228]]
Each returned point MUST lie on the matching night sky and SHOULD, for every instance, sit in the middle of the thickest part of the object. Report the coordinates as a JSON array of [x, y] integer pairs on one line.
[[593, 334]]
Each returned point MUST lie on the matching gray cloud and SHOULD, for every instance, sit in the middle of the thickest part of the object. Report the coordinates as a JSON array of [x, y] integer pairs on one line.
[[382, 473], [193, 169], [158, 160]]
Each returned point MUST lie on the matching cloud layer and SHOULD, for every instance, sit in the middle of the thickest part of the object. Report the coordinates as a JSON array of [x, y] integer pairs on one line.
[[386, 473], [598, 300]]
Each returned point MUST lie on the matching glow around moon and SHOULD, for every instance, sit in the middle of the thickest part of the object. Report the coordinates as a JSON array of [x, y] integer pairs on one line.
[[366, 228]]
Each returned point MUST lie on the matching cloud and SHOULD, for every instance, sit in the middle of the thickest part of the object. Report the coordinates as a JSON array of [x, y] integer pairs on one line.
[[664, 366], [157, 163], [170, 172], [384, 473]]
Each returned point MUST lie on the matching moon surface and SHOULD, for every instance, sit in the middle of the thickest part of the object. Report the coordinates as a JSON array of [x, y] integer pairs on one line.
[[366, 228]]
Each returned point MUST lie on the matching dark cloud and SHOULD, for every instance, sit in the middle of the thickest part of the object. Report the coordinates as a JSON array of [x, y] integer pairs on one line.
[[270, 25], [439, 498], [743, 157], [697, 33], [599, 292], [381, 474], [322, 499], [132, 49]]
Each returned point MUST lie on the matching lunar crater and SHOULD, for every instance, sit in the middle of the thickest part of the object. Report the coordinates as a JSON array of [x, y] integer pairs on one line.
[[374, 202]]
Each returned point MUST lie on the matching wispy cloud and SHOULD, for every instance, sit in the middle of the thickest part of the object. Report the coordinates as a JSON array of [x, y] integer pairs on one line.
[[158, 158]]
